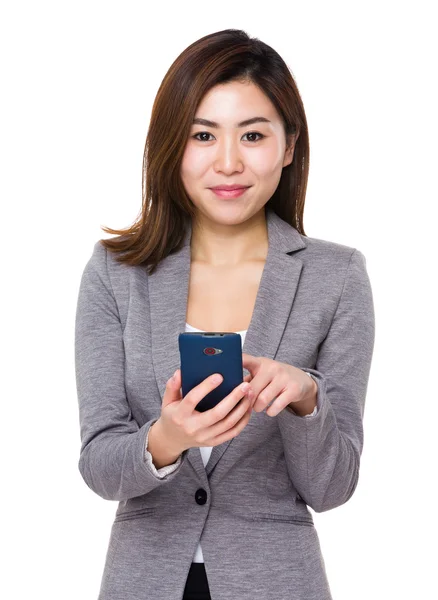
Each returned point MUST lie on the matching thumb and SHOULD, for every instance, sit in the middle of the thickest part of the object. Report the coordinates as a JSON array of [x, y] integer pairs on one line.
[[173, 389]]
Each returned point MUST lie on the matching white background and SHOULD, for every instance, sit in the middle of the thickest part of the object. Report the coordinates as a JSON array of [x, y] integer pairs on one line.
[[78, 82]]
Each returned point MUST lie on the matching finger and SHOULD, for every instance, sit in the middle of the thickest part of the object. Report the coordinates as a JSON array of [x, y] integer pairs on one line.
[[241, 410], [270, 393], [194, 397], [221, 410], [173, 388], [241, 416], [280, 403], [249, 362], [275, 408]]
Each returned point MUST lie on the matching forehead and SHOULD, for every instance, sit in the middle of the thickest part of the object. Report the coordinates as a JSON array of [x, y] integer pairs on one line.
[[232, 102]]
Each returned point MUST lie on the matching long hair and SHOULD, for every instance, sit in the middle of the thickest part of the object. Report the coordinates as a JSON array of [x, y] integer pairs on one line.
[[217, 58]]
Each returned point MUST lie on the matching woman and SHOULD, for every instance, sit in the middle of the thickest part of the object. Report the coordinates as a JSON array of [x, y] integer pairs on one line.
[[215, 504]]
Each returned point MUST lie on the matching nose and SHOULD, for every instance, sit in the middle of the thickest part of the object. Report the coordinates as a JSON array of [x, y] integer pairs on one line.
[[228, 157]]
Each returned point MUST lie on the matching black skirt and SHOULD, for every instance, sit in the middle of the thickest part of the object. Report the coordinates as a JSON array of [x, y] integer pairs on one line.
[[197, 583]]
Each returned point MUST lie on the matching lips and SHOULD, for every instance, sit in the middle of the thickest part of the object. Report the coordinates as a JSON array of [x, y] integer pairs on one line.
[[229, 193], [230, 188]]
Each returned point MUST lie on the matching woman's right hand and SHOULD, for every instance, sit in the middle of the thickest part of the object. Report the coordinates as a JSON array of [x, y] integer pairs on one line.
[[184, 427]]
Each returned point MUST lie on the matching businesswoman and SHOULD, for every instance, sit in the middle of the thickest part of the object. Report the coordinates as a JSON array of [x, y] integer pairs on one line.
[[216, 504]]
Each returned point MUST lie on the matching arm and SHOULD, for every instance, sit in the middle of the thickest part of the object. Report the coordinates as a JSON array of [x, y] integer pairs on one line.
[[309, 407], [323, 451], [112, 456], [161, 462]]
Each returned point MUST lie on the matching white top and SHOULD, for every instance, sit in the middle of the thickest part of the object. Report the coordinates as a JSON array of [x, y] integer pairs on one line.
[[205, 450]]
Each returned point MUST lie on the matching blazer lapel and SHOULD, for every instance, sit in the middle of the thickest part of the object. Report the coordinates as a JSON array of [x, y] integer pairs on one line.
[[168, 293]]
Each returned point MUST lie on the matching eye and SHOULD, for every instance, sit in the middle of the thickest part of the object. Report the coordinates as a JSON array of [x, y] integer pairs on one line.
[[255, 133], [261, 136], [195, 137]]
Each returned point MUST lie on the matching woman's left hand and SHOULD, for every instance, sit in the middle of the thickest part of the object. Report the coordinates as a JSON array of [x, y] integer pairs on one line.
[[289, 386]]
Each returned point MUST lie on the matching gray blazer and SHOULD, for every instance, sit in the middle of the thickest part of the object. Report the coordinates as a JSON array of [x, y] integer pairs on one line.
[[249, 505]]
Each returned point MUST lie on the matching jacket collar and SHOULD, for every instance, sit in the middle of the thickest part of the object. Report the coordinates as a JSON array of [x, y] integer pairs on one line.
[[168, 293]]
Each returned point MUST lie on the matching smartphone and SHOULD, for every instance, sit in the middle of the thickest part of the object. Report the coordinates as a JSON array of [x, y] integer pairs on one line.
[[205, 353]]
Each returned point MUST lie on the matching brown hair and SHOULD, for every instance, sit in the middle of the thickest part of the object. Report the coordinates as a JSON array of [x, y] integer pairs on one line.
[[217, 58]]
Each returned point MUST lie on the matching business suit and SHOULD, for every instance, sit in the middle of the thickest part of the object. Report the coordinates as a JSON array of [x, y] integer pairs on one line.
[[314, 310]]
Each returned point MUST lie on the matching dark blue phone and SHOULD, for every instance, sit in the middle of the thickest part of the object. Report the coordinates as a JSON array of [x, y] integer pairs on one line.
[[205, 353]]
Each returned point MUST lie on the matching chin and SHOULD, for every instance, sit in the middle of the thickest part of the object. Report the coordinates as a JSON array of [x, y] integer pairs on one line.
[[229, 214]]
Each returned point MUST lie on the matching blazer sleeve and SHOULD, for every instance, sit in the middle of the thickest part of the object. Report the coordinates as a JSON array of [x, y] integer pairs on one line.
[[322, 452], [112, 458]]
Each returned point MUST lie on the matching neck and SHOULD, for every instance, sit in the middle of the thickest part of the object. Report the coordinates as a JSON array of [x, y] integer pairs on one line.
[[226, 245]]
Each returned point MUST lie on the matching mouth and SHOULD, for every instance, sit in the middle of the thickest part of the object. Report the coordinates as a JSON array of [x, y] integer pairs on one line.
[[229, 192]]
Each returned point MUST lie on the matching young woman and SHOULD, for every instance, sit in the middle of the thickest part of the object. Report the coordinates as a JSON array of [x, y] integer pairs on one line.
[[216, 504]]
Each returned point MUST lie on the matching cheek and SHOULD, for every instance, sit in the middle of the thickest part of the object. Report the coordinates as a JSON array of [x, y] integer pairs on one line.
[[268, 162], [194, 161], [267, 172]]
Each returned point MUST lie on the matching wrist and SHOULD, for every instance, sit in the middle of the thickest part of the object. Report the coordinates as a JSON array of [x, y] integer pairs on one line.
[[162, 451], [167, 441], [307, 405]]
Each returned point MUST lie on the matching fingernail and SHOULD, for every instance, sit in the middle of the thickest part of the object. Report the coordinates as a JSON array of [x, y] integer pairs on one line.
[[217, 378], [174, 375]]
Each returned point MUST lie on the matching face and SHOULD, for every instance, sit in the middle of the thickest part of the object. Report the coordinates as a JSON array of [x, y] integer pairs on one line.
[[225, 151]]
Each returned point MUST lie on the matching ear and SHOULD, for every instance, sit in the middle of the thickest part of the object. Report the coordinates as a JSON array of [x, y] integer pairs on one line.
[[290, 148]]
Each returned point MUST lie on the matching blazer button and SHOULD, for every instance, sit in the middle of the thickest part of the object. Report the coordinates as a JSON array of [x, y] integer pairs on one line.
[[201, 496]]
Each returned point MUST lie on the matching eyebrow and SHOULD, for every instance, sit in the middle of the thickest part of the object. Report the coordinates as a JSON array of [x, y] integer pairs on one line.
[[207, 123]]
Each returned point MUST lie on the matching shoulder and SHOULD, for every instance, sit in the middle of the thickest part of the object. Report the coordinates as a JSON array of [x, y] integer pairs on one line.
[[329, 265], [104, 270], [327, 250], [325, 254], [105, 261], [98, 254], [320, 252]]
